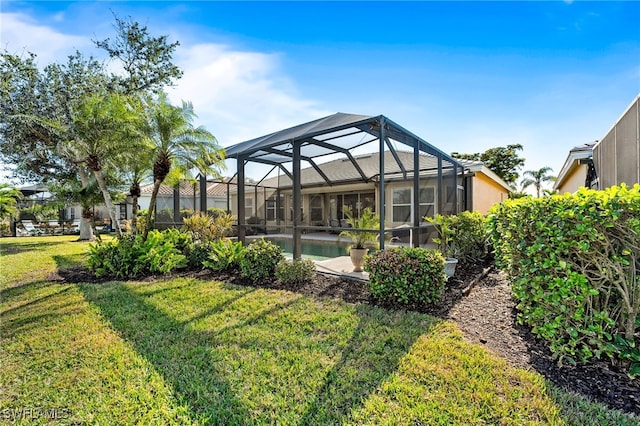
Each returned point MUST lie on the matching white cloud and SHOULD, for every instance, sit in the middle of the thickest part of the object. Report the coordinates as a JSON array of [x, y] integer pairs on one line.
[[20, 33], [239, 95]]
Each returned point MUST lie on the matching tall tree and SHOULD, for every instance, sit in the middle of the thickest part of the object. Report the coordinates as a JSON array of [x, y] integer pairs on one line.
[[180, 145], [38, 108], [537, 178], [503, 161], [146, 60], [107, 131]]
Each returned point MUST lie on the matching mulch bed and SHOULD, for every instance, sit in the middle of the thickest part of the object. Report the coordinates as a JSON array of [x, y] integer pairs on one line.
[[487, 316]]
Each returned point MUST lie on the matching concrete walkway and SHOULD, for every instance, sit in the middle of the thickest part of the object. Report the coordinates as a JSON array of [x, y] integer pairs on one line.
[[341, 267]]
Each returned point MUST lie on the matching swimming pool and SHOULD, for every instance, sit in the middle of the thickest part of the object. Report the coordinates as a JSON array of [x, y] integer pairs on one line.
[[312, 249]]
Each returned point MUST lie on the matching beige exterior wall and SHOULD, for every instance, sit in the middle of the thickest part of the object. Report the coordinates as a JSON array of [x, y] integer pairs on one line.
[[574, 179], [486, 193]]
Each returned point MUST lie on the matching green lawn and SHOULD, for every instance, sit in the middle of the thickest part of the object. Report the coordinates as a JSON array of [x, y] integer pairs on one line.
[[186, 351]]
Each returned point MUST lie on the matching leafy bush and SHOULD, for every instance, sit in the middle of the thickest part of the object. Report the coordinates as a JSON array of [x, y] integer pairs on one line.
[[164, 216], [295, 272], [203, 227], [406, 275], [215, 212], [464, 236], [131, 256], [259, 259], [224, 255], [574, 263], [5, 229], [197, 253]]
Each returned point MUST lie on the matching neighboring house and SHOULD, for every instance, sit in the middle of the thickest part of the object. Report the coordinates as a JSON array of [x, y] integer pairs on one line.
[[484, 187], [323, 204], [189, 198], [615, 159], [577, 171]]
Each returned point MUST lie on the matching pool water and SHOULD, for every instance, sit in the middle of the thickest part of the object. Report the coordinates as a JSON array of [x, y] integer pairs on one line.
[[316, 250]]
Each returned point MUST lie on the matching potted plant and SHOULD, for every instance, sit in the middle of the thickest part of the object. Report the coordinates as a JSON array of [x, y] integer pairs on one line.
[[445, 241], [362, 241]]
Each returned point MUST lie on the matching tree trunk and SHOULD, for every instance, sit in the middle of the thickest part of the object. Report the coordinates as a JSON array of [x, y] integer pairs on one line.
[[135, 193], [86, 230], [152, 205], [134, 215], [107, 201]]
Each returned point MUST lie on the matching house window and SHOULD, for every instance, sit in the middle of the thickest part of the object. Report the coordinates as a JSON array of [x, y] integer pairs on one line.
[[402, 199], [356, 202], [271, 208], [401, 204], [248, 207], [315, 208], [427, 201]]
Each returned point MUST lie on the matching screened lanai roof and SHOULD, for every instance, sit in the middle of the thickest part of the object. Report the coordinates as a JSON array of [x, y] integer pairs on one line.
[[342, 135], [339, 133], [340, 171]]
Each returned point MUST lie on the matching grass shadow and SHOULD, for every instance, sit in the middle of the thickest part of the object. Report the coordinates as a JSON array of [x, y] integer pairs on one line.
[[180, 355], [372, 355], [233, 365], [17, 247]]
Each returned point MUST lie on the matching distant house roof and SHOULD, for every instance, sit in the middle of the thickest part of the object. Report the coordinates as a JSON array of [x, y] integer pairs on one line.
[[576, 154], [341, 171], [214, 189], [478, 166]]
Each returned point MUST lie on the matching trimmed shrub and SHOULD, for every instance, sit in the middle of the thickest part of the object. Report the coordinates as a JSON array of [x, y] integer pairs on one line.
[[295, 271], [464, 236], [574, 263], [406, 275], [131, 256], [259, 259], [224, 255]]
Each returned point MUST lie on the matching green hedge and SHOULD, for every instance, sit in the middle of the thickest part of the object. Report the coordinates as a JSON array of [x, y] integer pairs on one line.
[[574, 263], [463, 236], [259, 259], [406, 275]]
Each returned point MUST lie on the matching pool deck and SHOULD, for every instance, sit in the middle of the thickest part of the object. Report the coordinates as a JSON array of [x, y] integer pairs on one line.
[[339, 266]]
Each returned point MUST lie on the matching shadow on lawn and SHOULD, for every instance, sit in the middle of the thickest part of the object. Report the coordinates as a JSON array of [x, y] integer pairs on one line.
[[192, 362], [180, 355], [20, 246], [380, 340]]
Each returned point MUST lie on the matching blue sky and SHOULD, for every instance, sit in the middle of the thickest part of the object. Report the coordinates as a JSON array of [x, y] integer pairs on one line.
[[465, 76]]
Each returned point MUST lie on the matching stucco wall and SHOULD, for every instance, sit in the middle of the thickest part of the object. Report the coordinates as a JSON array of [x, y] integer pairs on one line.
[[486, 193], [574, 179]]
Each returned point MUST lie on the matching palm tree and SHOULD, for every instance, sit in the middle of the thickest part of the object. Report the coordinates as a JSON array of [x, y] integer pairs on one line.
[[107, 131], [87, 194], [9, 197], [178, 146], [537, 178]]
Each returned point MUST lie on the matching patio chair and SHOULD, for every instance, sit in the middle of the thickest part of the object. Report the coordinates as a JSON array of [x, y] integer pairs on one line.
[[54, 227], [30, 228]]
